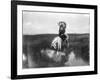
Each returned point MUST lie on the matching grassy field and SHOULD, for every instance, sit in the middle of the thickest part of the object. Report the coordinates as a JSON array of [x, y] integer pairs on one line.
[[33, 44]]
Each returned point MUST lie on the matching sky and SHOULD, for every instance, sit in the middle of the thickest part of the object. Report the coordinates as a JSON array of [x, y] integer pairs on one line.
[[47, 22]]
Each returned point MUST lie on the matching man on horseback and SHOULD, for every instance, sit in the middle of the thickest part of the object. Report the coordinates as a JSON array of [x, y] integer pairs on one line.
[[60, 43]]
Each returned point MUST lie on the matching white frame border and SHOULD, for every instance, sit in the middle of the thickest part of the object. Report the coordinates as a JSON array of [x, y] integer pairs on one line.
[[21, 71]]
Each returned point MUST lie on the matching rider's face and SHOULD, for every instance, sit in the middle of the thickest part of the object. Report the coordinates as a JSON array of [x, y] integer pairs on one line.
[[62, 27]]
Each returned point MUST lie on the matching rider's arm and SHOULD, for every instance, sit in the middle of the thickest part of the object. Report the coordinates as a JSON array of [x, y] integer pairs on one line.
[[67, 37]]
